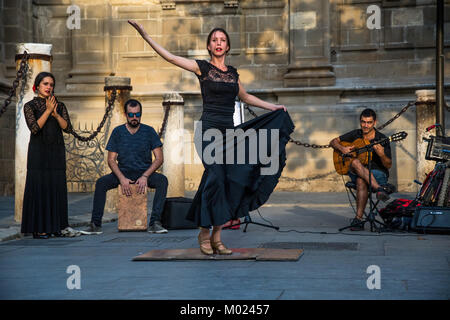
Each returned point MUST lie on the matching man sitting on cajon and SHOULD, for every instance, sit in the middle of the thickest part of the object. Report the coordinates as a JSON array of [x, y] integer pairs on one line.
[[129, 157]]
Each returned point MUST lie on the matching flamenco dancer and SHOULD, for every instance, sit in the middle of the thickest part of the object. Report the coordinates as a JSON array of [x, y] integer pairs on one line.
[[45, 210], [226, 191]]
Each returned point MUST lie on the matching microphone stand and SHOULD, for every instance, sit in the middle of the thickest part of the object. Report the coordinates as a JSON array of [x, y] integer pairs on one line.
[[370, 217]]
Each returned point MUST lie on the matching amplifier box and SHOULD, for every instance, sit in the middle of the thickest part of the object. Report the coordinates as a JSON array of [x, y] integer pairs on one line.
[[431, 219], [438, 148], [174, 214]]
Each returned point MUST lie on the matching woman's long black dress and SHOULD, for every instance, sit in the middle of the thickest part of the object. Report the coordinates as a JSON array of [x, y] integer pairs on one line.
[[45, 195], [230, 191]]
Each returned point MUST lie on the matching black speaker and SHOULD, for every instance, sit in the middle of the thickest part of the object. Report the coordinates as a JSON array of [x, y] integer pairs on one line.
[[431, 219], [174, 214]]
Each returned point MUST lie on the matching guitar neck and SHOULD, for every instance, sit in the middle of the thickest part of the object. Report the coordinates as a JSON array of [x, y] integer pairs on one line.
[[370, 145]]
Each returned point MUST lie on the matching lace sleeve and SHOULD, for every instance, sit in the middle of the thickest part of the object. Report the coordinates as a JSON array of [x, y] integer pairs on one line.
[[31, 119], [62, 110]]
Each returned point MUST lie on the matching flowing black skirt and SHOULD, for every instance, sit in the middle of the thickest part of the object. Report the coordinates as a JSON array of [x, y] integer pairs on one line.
[[45, 207], [229, 190]]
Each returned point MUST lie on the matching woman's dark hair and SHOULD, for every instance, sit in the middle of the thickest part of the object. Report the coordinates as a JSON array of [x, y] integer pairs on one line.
[[210, 35], [366, 113], [132, 103], [41, 77]]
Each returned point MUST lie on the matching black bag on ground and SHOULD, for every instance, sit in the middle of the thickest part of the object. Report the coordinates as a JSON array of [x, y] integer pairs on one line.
[[398, 213], [174, 214]]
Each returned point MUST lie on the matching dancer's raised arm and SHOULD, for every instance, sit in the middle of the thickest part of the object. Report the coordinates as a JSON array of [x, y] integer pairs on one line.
[[255, 101], [187, 64]]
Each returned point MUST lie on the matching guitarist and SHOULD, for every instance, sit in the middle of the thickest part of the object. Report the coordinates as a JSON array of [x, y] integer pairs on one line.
[[381, 163]]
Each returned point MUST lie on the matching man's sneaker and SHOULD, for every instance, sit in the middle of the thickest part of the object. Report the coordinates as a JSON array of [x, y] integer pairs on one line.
[[93, 229], [156, 227], [357, 225]]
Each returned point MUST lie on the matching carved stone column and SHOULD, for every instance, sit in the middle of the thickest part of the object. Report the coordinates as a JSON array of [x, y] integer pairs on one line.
[[309, 45], [173, 148], [425, 117]]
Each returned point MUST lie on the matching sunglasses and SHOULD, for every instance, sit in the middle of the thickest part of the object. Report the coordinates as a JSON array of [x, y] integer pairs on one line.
[[131, 114]]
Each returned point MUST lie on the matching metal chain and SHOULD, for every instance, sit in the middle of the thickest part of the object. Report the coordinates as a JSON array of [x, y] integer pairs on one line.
[[251, 111], [102, 123], [307, 145], [397, 115], [317, 146], [166, 117], [108, 110], [21, 75], [308, 179], [299, 143]]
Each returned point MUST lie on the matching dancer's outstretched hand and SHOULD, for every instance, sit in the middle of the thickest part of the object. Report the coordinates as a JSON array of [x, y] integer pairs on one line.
[[138, 27], [279, 106]]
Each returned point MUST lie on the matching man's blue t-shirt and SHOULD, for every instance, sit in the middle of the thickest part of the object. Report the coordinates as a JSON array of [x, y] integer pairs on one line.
[[134, 150]]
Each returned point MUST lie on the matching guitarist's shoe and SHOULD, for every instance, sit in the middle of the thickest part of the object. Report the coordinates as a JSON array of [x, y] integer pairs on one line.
[[382, 194], [356, 225]]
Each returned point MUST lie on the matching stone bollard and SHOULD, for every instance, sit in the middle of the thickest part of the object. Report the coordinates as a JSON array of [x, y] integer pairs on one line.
[[123, 89], [173, 147], [40, 60], [425, 117]]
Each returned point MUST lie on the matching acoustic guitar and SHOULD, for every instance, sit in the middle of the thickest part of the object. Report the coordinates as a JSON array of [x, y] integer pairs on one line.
[[342, 162]]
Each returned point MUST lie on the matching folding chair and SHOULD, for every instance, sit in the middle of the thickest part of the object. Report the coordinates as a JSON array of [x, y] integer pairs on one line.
[[389, 188]]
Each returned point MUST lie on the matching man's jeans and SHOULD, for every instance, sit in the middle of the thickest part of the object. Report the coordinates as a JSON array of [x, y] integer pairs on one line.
[[156, 180]]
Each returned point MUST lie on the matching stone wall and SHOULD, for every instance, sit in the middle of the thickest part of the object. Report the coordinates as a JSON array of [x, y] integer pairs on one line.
[[319, 58], [402, 50]]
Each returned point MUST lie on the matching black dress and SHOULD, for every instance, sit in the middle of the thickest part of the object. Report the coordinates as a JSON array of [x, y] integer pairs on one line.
[[45, 196], [229, 191]]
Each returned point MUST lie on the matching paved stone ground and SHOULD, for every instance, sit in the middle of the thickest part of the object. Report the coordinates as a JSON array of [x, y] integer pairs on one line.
[[334, 264]]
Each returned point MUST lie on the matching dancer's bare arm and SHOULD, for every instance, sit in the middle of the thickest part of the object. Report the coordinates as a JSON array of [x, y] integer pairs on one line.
[[187, 64], [255, 101]]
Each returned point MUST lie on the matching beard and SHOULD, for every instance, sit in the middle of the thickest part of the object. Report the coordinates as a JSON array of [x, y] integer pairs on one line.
[[133, 123]]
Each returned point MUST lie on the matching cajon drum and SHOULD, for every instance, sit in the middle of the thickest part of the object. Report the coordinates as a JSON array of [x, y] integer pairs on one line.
[[132, 210]]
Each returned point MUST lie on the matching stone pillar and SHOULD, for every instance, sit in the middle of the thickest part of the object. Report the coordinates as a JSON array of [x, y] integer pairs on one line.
[[123, 89], [309, 45], [173, 147], [425, 117], [40, 60]]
